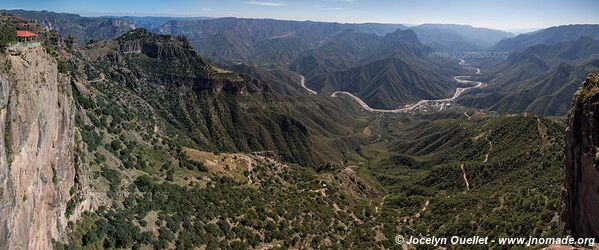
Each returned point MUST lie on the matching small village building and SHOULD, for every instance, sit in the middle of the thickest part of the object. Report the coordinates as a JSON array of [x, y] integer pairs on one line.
[[26, 36]]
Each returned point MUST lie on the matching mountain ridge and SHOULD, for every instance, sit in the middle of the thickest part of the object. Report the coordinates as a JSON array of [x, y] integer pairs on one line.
[[540, 79], [548, 36]]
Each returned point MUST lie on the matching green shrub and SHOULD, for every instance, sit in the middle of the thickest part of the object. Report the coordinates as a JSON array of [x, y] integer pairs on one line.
[[7, 35], [62, 67], [114, 178]]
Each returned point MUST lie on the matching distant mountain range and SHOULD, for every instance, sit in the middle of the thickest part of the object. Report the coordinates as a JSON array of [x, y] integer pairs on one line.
[[153, 22], [396, 70], [541, 79], [83, 28], [236, 40], [342, 51], [387, 65], [261, 42], [452, 37], [551, 35], [242, 40]]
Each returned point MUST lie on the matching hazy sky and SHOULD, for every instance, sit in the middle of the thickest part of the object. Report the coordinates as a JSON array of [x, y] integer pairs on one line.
[[505, 14]]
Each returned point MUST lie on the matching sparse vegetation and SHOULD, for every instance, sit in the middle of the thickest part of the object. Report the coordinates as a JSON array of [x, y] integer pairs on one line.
[[7, 35], [62, 67]]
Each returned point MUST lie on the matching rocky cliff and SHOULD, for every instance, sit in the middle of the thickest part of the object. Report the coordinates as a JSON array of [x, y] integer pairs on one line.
[[580, 208], [169, 61], [36, 149], [162, 47]]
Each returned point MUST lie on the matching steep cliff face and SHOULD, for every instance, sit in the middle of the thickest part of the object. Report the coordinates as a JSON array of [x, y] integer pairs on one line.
[[36, 149], [580, 208]]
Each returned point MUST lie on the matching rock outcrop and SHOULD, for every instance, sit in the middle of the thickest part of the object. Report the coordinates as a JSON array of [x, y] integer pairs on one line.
[[37, 168], [580, 208], [162, 47], [169, 61]]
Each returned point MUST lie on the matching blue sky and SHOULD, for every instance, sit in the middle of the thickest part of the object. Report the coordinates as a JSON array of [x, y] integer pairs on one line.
[[506, 14]]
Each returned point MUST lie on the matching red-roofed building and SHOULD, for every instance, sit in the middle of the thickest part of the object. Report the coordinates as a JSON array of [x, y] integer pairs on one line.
[[26, 36]]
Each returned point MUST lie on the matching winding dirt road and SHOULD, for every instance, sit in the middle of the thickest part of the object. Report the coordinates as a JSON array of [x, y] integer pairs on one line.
[[465, 177], [490, 148], [303, 83]]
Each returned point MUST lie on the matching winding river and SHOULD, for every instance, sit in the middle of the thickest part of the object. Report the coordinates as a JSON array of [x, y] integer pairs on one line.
[[422, 105]]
